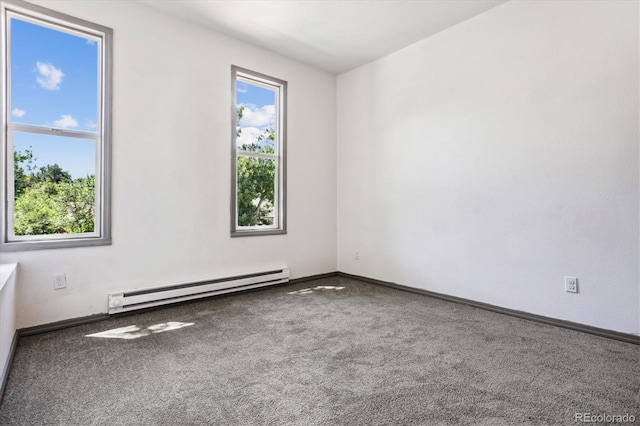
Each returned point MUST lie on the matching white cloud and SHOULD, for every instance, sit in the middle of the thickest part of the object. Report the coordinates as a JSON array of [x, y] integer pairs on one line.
[[18, 112], [248, 135], [66, 121], [50, 77], [91, 125], [253, 116], [242, 87]]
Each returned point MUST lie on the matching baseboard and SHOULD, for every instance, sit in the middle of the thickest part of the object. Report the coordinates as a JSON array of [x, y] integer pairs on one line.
[[623, 337], [610, 334], [59, 325], [7, 365], [313, 277]]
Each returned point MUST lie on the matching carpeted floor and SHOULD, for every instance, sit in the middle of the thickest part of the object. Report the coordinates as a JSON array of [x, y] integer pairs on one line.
[[329, 352]]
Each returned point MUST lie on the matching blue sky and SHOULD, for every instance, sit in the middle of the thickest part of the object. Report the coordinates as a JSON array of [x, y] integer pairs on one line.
[[259, 110], [252, 94], [54, 80]]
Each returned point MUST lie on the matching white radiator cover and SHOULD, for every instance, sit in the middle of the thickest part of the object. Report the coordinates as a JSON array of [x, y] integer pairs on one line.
[[130, 300]]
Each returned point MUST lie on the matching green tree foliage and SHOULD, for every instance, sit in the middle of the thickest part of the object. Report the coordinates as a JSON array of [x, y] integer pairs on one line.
[[256, 180], [255, 191], [22, 169], [239, 113], [52, 173], [48, 201]]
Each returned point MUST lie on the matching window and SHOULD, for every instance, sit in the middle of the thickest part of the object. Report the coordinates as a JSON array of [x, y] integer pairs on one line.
[[56, 118], [258, 166]]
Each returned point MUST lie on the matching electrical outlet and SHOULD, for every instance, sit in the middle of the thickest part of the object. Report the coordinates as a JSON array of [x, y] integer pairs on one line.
[[571, 284], [59, 281], [357, 255]]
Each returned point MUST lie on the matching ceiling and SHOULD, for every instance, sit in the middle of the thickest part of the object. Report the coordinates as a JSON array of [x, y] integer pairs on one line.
[[333, 35]]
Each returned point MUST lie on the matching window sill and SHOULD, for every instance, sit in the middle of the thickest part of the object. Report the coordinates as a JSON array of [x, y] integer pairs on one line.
[[44, 245], [257, 232]]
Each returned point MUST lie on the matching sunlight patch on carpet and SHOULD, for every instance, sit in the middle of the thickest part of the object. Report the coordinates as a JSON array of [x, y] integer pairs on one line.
[[135, 332], [318, 288]]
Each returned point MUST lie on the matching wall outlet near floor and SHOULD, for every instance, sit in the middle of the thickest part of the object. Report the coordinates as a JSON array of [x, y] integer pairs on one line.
[[356, 256], [59, 281], [571, 284]]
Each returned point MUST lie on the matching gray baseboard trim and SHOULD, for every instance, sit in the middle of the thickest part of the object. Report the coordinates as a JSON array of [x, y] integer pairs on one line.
[[616, 335], [610, 334], [59, 325], [7, 366], [313, 277]]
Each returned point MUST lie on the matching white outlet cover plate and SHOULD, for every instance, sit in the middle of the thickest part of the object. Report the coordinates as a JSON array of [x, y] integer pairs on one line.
[[59, 281], [571, 284]]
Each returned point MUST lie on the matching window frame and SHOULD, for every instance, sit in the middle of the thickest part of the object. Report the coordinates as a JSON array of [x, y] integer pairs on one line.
[[61, 22], [280, 191]]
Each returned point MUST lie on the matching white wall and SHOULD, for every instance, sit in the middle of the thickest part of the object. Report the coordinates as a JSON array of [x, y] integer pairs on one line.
[[171, 168], [496, 157]]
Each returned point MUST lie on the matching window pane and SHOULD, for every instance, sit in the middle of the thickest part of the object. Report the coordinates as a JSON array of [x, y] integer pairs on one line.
[[54, 184], [54, 77], [256, 191], [256, 110]]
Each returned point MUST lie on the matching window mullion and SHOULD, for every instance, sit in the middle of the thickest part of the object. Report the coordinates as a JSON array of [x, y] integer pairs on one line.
[[52, 131], [252, 154]]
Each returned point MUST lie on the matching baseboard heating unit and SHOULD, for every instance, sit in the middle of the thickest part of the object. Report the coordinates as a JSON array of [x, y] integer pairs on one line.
[[125, 301]]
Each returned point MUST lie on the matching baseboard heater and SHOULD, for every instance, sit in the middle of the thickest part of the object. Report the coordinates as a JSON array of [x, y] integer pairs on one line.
[[125, 301]]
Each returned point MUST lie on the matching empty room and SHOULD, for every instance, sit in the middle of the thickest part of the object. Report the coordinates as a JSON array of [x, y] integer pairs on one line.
[[320, 212]]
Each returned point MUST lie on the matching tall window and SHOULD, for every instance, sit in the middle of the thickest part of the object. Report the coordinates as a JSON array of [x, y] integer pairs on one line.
[[56, 140], [258, 154]]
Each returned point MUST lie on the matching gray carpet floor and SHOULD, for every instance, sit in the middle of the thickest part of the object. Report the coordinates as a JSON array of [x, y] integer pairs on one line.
[[334, 351]]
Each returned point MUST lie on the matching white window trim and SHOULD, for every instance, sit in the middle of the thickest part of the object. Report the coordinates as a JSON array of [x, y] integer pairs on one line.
[[104, 35], [280, 225]]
